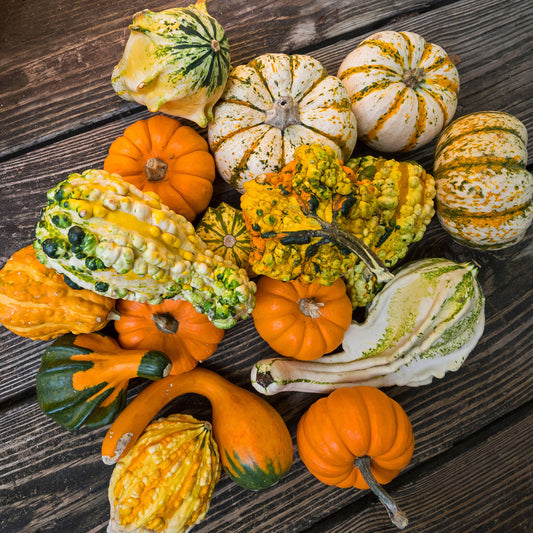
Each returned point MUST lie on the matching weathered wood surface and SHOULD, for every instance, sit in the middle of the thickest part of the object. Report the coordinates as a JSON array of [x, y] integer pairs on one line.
[[58, 114]]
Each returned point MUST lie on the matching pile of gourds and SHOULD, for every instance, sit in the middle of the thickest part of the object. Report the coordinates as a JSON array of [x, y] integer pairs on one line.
[[321, 230]]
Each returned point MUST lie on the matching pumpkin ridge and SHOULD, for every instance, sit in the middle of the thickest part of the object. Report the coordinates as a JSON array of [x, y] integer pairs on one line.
[[238, 101], [367, 89], [481, 162], [387, 49], [254, 64], [393, 109], [504, 215], [410, 48], [216, 145], [418, 130], [312, 87], [336, 140], [365, 68], [437, 98]]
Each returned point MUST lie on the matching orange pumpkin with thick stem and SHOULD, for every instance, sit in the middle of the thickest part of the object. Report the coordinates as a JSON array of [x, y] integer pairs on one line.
[[162, 155], [357, 437], [299, 320], [173, 327], [254, 442]]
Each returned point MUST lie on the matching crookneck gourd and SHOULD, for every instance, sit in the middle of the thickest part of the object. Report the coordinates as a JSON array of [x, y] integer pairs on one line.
[[176, 61], [37, 303], [165, 483], [316, 219], [422, 324], [254, 442], [108, 236], [83, 379]]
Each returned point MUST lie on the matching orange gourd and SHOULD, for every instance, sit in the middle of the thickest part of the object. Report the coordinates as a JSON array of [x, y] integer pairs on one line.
[[162, 155], [299, 320], [254, 442], [37, 303], [357, 437], [174, 327]]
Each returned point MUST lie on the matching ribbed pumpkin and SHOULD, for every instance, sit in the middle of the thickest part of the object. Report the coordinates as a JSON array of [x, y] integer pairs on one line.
[[300, 320], [37, 303], [223, 231], [83, 379], [173, 327], [175, 61], [271, 106], [484, 192], [357, 437], [162, 155], [254, 442], [403, 90], [165, 483]]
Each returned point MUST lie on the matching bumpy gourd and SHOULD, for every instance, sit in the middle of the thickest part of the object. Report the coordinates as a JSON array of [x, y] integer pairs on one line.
[[106, 235], [37, 303], [83, 379], [315, 219], [424, 323], [223, 231], [176, 61], [484, 190], [165, 483]]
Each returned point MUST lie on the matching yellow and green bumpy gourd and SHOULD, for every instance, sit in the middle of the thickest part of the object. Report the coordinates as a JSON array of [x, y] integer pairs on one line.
[[176, 61], [306, 221], [104, 234]]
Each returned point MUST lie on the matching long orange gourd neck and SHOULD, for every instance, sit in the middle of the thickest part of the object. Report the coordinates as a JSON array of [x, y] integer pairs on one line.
[[132, 421]]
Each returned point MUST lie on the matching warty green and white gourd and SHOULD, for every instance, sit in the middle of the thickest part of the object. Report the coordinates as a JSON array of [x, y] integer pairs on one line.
[[104, 234]]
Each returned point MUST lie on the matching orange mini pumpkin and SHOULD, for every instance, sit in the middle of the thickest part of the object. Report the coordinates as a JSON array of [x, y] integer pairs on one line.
[[304, 321], [162, 155], [357, 437], [173, 327]]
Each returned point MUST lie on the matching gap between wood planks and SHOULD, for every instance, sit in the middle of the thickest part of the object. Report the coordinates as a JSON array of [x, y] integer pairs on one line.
[[429, 466]]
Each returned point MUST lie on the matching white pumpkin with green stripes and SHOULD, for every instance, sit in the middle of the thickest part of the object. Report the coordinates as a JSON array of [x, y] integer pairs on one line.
[[176, 61], [403, 90], [271, 106], [484, 192]]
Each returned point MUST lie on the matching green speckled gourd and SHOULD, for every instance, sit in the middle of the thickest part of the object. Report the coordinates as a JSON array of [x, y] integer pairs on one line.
[[105, 235], [317, 220]]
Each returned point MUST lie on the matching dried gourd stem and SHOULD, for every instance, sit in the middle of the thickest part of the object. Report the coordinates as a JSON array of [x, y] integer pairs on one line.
[[229, 241], [165, 322], [397, 516], [155, 169], [310, 307], [283, 113], [413, 77], [215, 45]]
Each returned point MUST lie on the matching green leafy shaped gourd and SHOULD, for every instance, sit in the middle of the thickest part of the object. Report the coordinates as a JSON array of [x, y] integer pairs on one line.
[[106, 235], [83, 379]]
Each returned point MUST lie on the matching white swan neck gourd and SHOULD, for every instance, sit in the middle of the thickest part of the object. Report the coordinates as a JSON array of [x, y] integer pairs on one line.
[[423, 323]]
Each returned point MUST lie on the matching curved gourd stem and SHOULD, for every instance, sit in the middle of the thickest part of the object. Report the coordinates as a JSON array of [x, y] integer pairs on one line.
[[397, 516]]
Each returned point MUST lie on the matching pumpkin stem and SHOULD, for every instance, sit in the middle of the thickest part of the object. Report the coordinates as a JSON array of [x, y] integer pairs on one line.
[[283, 113], [215, 45], [310, 307], [397, 516], [155, 169], [165, 322], [413, 77], [229, 241]]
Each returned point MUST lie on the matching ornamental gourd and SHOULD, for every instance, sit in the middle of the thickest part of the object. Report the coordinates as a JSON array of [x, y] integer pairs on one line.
[[271, 106], [172, 327], [316, 219], [403, 90], [83, 379], [165, 483], [108, 236], [223, 231], [254, 442], [162, 155], [484, 191], [357, 437], [176, 61], [304, 321], [38, 303]]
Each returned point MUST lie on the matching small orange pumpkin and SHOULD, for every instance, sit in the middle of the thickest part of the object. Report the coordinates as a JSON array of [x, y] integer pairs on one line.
[[304, 321], [357, 437], [173, 327], [162, 155]]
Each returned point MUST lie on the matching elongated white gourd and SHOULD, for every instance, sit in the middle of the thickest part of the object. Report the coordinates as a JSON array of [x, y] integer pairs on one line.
[[424, 323]]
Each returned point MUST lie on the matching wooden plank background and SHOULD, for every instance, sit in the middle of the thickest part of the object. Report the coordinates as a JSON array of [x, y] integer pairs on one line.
[[58, 114]]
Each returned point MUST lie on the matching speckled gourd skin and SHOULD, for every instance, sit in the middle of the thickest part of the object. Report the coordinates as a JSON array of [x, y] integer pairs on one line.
[[106, 235]]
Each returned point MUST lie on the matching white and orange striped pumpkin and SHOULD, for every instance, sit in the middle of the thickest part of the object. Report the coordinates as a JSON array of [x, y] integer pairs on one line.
[[403, 90], [271, 106], [484, 192]]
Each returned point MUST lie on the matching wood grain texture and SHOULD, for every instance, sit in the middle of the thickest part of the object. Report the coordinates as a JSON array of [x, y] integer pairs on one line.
[[58, 114]]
